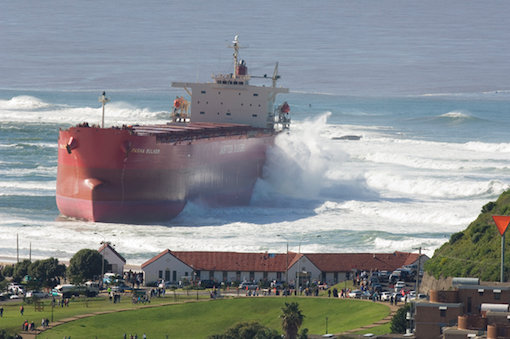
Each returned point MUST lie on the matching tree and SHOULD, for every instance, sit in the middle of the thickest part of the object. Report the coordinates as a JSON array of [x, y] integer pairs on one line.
[[85, 264], [292, 319], [399, 322], [20, 270], [46, 272], [244, 330], [8, 271]]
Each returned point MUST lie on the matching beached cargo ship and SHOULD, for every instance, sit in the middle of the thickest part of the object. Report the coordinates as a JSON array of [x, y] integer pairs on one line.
[[212, 152]]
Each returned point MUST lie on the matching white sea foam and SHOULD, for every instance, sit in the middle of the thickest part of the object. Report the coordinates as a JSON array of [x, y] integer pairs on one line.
[[23, 102]]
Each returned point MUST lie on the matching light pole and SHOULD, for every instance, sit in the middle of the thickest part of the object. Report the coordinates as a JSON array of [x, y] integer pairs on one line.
[[299, 260], [17, 242], [286, 267]]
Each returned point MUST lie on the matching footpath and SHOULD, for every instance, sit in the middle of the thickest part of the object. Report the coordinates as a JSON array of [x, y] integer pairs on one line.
[[40, 332]]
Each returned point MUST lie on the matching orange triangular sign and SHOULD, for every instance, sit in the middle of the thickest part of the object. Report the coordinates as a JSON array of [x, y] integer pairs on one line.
[[502, 222]]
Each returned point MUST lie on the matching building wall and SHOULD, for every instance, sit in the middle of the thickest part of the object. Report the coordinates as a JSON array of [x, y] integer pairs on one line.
[[304, 265], [471, 295], [167, 263], [114, 260], [430, 318]]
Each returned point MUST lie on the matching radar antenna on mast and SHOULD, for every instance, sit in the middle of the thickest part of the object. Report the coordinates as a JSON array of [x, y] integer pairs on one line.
[[236, 47], [103, 99]]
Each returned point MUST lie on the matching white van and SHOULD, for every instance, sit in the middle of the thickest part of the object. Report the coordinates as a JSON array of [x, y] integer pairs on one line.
[[90, 289]]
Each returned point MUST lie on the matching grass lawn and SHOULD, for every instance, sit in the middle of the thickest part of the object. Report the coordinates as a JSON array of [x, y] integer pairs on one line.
[[199, 320], [12, 319]]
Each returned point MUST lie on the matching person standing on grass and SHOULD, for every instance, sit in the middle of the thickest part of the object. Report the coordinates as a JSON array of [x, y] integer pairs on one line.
[[21, 309], [144, 336]]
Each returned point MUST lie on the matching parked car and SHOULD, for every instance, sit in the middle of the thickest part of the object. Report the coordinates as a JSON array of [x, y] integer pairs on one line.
[[366, 295], [248, 285], [385, 296], [14, 296], [167, 284], [38, 294], [120, 288], [398, 296], [277, 284], [355, 294], [399, 285], [377, 287], [402, 275], [384, 276], [209, 284]]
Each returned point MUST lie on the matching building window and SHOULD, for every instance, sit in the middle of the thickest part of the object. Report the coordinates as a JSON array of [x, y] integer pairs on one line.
[[167, 275], [265, 275], [211, 275], [202, 112], [443, 313], [279, 276], [203, 92], [225, 275], [335, 277], [174, 276], [160, 274], [480, 292], [228, 113], [185, 274], [252, 275], [238, 276], [497, 294], [254, 115], [255, 95]]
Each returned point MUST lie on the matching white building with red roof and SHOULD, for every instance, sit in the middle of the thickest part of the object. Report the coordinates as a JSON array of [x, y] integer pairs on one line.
[[116, 261], [329, 268]]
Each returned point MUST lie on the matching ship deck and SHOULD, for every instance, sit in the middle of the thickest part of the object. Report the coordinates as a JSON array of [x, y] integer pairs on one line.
[[172, 132]]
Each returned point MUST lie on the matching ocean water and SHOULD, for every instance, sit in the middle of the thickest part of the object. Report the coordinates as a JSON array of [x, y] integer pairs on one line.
[[424, 84]]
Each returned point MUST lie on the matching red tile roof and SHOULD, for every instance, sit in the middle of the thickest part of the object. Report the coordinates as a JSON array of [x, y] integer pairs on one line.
[[113, 250], [344, 262], [230, 261], [264, 262]]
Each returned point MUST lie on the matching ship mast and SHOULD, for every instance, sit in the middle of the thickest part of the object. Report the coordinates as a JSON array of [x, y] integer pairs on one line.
[[236, 47]]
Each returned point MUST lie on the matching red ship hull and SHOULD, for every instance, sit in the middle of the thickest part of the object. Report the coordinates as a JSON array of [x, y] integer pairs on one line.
[[147, 174]]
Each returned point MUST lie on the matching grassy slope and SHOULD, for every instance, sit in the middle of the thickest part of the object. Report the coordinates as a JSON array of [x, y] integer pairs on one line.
[[198, 320], [476, 251]]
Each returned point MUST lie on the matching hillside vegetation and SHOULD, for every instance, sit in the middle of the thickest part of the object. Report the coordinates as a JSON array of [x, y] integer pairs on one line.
[[476, 251]]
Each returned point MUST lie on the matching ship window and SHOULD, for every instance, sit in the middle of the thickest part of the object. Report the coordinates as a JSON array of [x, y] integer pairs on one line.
[[250, 105], [219, 92], [235, 83], [222, 103], [202, 112], [255, 95], [207, 102], [230, 82], [242, 104], [224, 82], [228, 113], [198, 102], [239, 93], [240, 82], [259, 105], [203, 92], [254, 115]]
